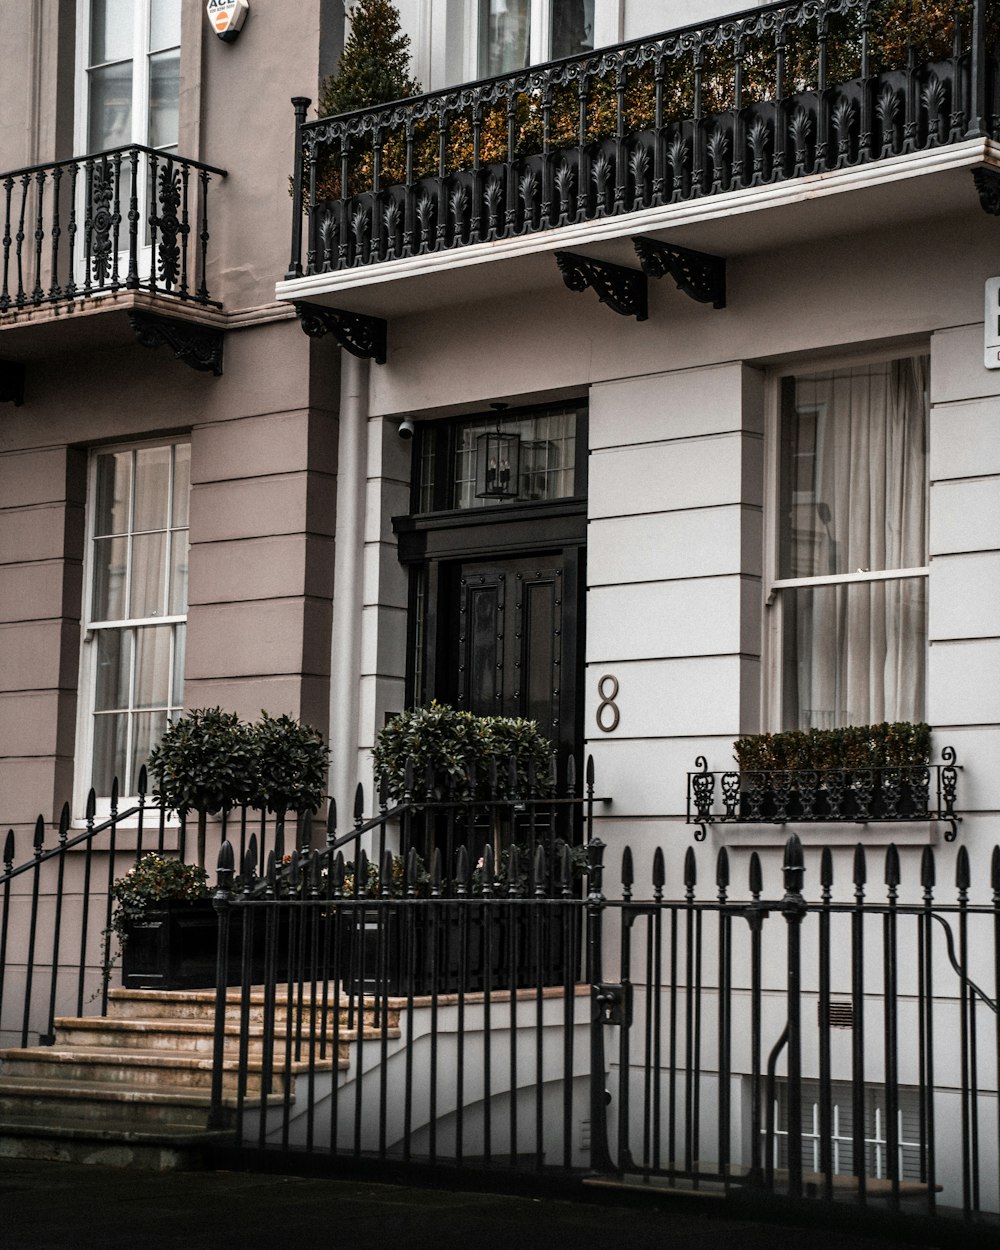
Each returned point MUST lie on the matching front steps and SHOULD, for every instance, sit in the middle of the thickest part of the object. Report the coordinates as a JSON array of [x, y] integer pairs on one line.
[[134, 1088]]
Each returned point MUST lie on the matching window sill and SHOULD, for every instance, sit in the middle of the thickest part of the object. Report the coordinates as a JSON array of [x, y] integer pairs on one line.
[[831, 833]]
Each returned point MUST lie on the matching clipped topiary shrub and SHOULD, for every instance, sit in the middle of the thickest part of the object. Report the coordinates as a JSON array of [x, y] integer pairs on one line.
[[447, 741]]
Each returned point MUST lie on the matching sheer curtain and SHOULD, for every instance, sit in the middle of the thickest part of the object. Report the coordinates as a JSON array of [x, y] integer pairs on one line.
[[854, 448]]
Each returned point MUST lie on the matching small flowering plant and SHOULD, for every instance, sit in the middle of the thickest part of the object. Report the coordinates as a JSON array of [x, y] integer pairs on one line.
[[152, 880]]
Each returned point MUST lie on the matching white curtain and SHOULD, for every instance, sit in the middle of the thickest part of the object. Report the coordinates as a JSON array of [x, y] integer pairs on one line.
[[854, 464]]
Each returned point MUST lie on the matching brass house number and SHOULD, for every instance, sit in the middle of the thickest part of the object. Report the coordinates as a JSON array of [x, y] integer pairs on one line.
[[608, 715]]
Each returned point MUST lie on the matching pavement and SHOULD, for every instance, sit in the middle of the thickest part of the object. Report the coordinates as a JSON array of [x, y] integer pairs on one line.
[[65, 1206]]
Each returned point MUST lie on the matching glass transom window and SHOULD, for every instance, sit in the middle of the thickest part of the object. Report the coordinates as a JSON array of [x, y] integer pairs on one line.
[[852, 546], [138, 605], [547, 459]]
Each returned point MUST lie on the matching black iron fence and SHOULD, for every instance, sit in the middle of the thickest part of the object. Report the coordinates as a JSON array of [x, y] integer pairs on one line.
[[59, 952], [842, 1046], [793, 88], [127, 219]]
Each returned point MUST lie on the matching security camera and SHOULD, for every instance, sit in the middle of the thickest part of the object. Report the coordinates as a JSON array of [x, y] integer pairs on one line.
[[406, 428]]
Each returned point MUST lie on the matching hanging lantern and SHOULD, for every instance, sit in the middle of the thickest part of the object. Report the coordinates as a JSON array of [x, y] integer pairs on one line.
[[498, 465]]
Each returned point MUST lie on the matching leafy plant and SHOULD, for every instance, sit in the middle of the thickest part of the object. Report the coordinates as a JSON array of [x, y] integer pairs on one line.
[[374, 66], [445, 741], [205, 763], [290, 762], [153, 880], [897, 745]]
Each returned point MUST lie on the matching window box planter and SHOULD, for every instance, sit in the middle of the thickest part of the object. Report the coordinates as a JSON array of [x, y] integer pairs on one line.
[[859, 795]]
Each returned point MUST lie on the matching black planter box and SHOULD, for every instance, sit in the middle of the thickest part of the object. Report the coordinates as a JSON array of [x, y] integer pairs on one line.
[[421, 949], [174, 947]]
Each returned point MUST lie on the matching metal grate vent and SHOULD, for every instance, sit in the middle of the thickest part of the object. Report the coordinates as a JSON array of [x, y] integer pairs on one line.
[[840, 1015]]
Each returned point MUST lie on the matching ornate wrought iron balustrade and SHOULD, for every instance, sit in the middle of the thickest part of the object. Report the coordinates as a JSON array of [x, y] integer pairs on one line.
[[772, 94], [130, 219], [834, 795]]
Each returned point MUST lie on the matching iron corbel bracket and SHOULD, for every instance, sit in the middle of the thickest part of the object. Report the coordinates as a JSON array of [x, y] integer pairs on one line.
[[197, 346], [698, 274], [623, 290], [987, 180], [357, 333], [11, 383]]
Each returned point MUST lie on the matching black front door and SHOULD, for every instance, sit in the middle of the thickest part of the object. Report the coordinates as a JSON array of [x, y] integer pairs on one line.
[[511, 634]]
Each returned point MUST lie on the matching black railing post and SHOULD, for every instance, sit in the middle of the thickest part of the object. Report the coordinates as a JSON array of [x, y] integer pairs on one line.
[[300, 103], [222, 901], [600, 1154], [794, 908], [978, 71]]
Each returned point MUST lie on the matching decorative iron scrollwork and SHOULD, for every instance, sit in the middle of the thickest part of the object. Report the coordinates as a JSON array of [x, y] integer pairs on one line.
[[11, 383], [698, 274], [102, 220], [198, 346], [885, 794], [169, 225], [357, 333], [987, 182], [622, 289]]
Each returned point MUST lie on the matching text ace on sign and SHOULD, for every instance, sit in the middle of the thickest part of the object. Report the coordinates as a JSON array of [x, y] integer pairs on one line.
[[226, 17]]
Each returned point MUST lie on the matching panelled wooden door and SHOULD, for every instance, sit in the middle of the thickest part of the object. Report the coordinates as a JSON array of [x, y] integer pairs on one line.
[[512, 632]]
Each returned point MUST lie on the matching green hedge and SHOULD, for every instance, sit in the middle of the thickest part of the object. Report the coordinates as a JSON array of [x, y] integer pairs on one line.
[[896, 745]]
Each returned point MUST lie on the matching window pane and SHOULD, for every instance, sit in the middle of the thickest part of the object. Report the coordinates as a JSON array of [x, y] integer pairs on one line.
[[114, 484], [178, 573], [152, 488], [152, 667], [110, 30], [854, 653], [177, 693], [110, 107], [148, 575], [110, 555], [572, 27], [182, 484], [147, 730], [547, 459], [164, 94], [164, 23], [114, 666], [854, 470], [505, 27], [109, 750]]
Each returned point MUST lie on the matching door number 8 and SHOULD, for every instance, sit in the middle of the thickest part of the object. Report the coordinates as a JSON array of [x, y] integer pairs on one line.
[[608, 715]]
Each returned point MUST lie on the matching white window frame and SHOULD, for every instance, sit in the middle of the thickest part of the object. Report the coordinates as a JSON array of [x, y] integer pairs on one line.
[[772, 632], [141, 55], [608, 18], [87, 687]]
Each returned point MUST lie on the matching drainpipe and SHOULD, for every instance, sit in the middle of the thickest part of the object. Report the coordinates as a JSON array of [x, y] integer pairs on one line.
[[345, 659]]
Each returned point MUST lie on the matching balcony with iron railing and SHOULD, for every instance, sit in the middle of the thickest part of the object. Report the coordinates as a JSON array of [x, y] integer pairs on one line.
[[124, 228], [644, 136]]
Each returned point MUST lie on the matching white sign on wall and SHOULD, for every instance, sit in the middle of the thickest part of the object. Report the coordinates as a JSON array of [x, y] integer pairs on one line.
[[226, 17], [991, 357]]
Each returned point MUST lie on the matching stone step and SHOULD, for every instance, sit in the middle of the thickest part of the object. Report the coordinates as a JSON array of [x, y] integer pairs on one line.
[[98, 1065], [110, 1144], [200, 1004], [54, 1101], [190, 1037]]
